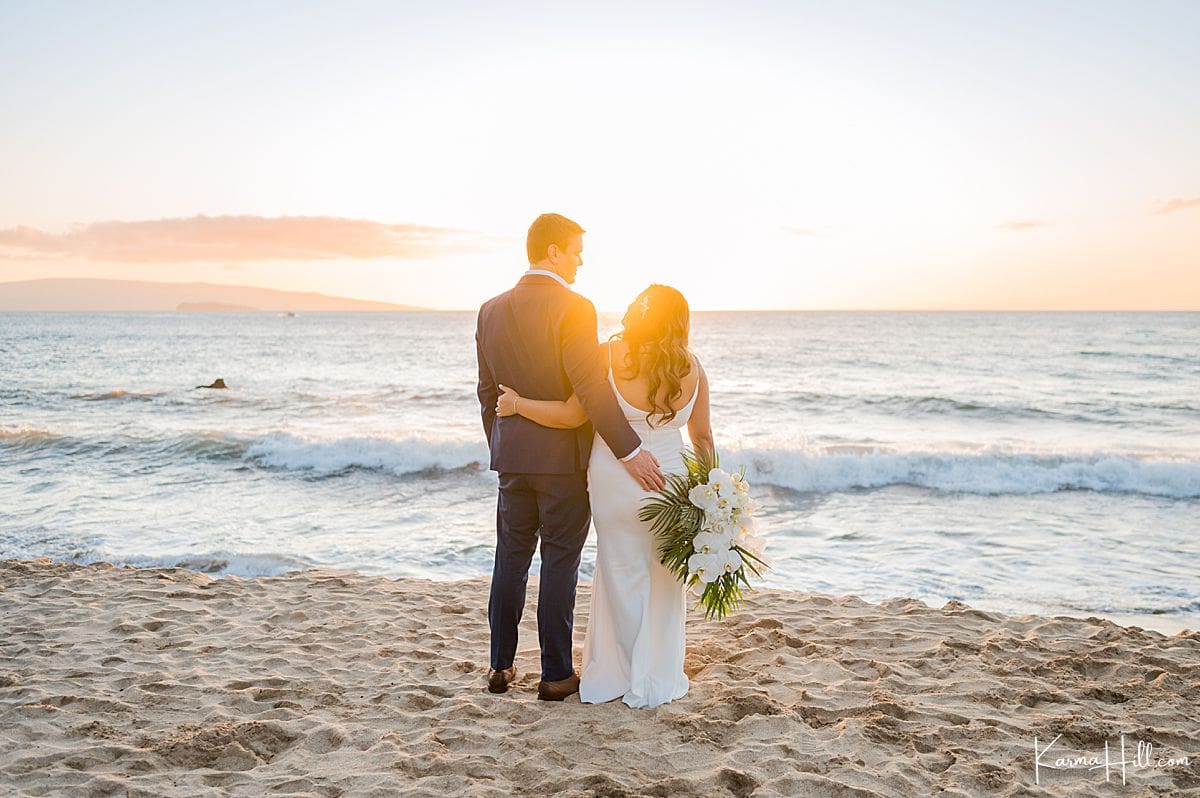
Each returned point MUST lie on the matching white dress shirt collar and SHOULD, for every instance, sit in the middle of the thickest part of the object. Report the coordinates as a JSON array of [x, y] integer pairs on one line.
[[545, 273]]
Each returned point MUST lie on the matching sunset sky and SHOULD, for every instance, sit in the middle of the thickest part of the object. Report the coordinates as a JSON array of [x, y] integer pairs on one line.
[[940, 155]]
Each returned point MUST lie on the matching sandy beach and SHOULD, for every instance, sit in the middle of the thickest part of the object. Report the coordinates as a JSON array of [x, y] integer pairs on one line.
[[165, 682]]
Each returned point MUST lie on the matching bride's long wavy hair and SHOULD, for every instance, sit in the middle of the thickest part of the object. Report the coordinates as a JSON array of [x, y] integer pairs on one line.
[[655, 330]]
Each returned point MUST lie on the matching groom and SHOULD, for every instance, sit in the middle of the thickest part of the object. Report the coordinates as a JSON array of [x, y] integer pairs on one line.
[[540, 338]]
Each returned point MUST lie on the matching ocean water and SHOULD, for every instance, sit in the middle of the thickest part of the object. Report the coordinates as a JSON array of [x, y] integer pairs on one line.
[[1018, 462]]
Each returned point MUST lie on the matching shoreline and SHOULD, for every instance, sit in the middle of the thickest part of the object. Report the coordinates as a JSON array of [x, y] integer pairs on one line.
[[1164, 623], [166, 681]]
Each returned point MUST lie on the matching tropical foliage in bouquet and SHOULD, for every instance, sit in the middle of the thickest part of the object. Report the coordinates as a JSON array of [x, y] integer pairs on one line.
[[704, 524]]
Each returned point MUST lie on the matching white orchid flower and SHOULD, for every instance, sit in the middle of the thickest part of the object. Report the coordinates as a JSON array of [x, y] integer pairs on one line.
[[704, 497], [720, 522], [745, 524], [752, 543], [707, 542], [722, 481], [729, 561], [708, 567]]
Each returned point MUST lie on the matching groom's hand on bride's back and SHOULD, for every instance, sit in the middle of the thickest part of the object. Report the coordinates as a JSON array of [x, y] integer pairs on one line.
[[645, 471]]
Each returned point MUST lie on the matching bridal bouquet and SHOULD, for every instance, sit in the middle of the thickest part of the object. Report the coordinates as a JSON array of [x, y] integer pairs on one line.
[[704, 523]]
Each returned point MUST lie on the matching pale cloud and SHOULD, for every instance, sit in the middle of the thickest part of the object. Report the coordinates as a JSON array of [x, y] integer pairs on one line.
[[240, 239], [806, 232], [1176, 204], [1022, 224]]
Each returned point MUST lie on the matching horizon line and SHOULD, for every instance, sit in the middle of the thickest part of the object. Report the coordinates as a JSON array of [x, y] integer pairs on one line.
[[616, 311]]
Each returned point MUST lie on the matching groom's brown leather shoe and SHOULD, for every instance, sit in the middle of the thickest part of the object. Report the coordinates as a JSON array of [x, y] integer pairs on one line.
[[557, 691], [498, 681]]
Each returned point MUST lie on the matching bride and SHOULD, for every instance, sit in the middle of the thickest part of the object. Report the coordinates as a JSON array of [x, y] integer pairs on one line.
[[634, 647]]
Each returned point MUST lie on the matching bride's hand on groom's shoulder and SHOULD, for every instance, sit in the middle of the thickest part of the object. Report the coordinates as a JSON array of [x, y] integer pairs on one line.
[[506, 403]]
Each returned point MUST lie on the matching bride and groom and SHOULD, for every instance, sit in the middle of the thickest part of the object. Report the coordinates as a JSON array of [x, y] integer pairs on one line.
[[581, 431]]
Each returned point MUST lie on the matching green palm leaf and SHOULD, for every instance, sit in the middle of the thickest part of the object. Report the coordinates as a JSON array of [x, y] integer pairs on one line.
[[675, 521]]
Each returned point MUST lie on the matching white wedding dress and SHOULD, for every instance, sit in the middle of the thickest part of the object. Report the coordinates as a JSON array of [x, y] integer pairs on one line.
[[634, 644]]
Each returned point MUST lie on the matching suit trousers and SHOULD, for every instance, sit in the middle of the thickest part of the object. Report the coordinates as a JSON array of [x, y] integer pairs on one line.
[[554, 508]]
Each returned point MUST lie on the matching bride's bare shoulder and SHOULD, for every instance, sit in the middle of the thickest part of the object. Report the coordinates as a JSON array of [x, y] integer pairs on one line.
[[617, 347], [691, 381]]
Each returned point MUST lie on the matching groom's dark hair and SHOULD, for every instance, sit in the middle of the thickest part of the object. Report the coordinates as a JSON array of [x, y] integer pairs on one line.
[[547, 229]]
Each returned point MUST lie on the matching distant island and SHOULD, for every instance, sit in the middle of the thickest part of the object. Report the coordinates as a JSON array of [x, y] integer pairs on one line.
[[209, 307], [66, 294]]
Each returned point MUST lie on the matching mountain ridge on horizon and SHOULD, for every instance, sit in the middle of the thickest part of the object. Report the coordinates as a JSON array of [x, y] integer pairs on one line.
[[97, 294], [104, 295]]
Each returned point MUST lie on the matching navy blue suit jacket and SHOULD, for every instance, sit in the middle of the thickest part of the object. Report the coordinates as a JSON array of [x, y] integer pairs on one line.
[[539, 338]]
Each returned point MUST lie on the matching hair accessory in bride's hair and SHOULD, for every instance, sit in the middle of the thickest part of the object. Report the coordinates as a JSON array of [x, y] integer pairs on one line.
[[645, 303]]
